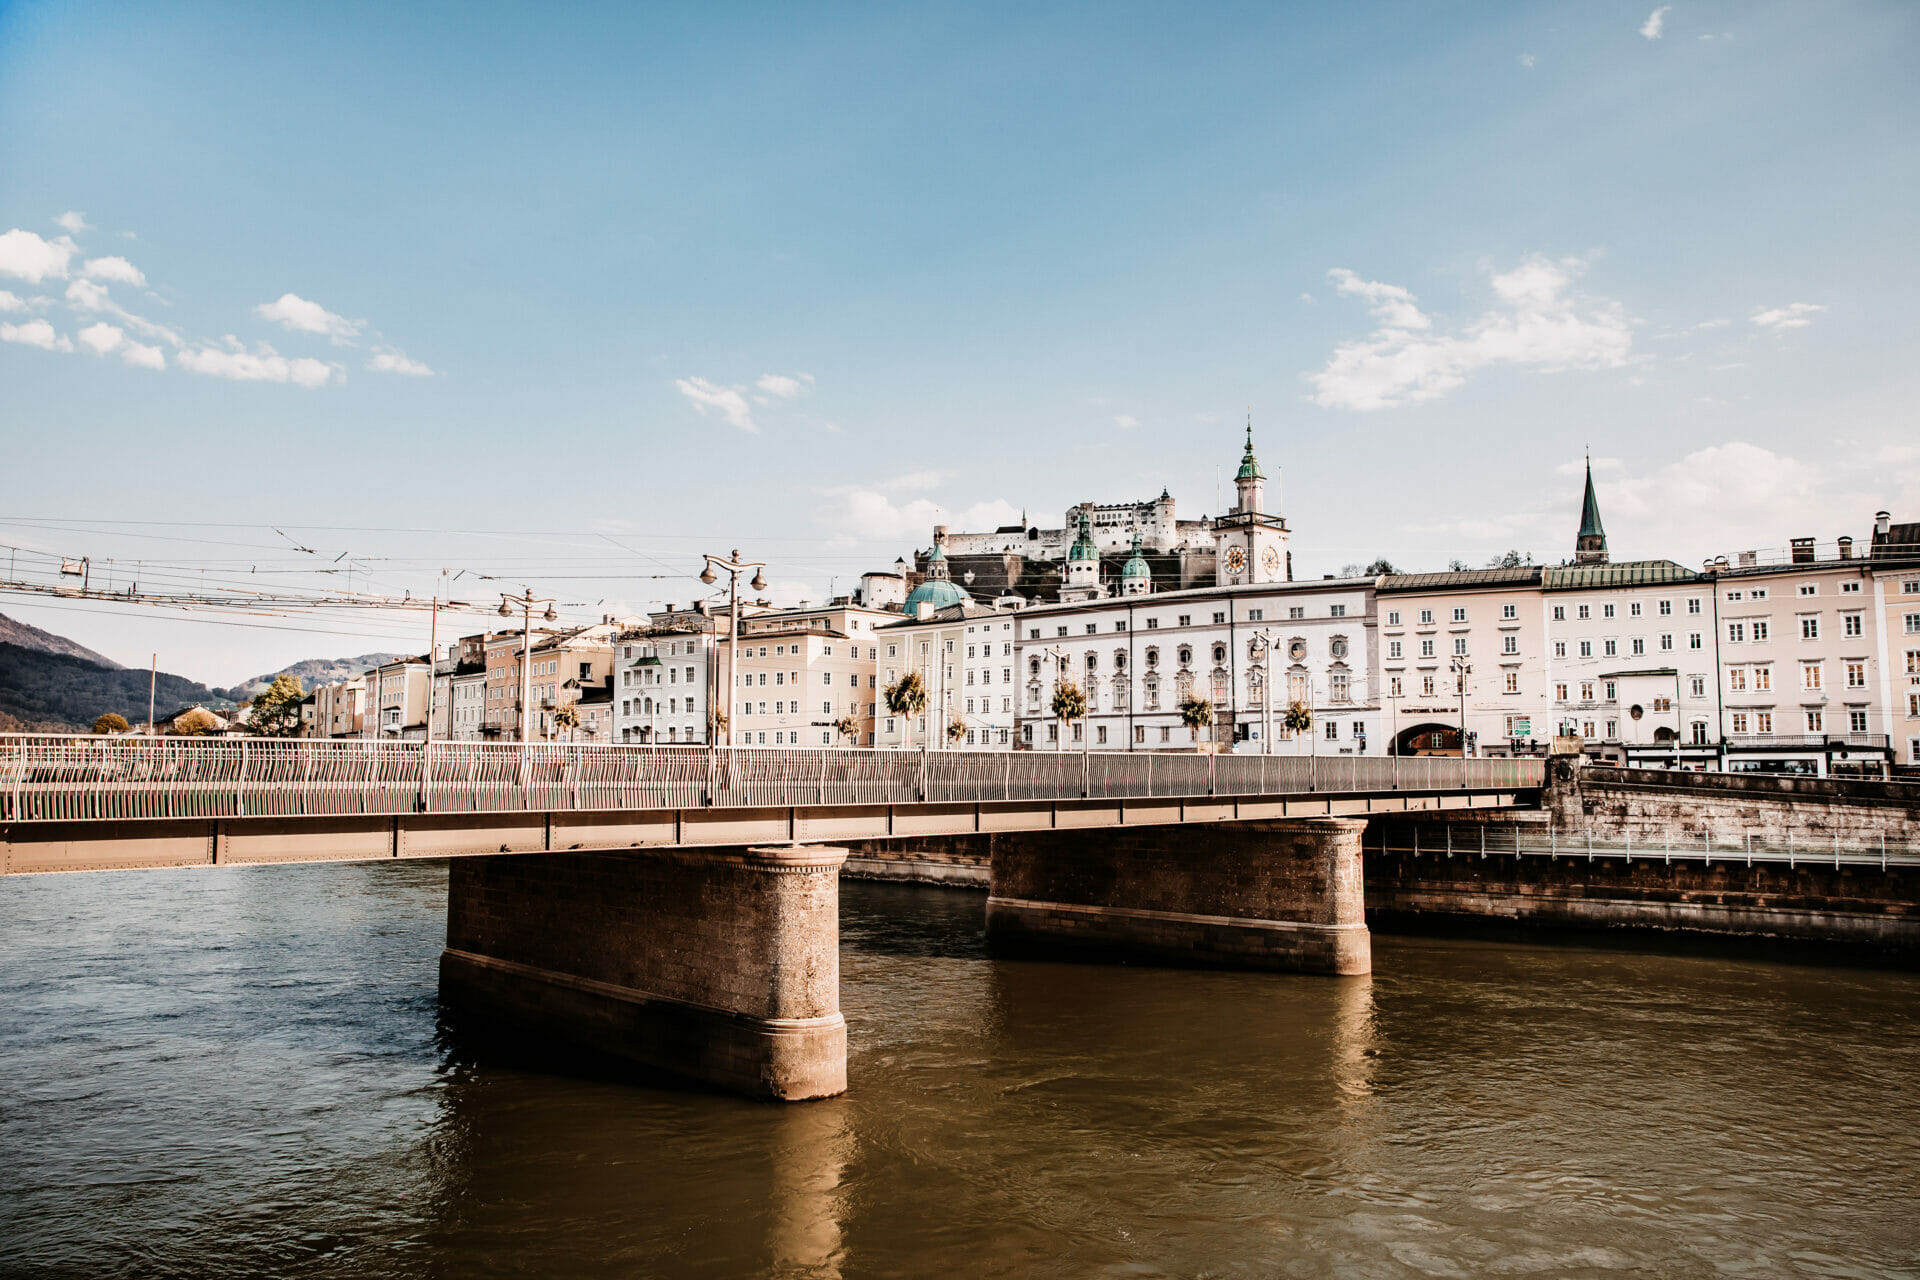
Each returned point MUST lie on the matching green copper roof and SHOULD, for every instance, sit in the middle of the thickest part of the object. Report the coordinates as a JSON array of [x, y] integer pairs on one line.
[[936, 554], [1136, 566], [1249, 465], [1083, 548], [941, 593], [1590, 510]]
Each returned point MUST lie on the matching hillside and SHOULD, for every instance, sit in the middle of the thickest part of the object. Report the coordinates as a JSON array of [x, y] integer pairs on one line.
[[312, 672], [57, 691], [28, 637]]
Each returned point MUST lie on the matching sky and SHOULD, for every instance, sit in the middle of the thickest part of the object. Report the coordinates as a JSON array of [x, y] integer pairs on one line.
[[566, 296]]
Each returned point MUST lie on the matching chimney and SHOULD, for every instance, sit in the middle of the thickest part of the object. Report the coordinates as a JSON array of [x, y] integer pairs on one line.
[[1802, 550], [923, 610], [1846, 547], [1882, 523]]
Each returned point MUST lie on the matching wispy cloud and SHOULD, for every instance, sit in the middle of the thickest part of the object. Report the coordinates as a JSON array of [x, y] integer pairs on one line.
[[1126, 420], [1795, 315], [391, 360], [11, 302], [106, 339], [298, 315], [1656, 24], [787, 388], [89, 295], [35, 333], [116, 269], [729, 403], [73, 222], [262, 364], [1526, 60], [1540, 324]]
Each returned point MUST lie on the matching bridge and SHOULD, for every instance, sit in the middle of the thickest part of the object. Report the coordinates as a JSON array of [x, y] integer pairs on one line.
[[678, 906]]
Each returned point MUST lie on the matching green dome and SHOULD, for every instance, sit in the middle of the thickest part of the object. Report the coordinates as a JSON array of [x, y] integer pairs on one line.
[[1249, 465], [1083, 548], [941, 593], [1136, 566]]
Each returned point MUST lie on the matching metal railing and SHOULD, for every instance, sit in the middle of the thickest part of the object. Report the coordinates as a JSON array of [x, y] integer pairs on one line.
[[46, 777], [1538, 840]]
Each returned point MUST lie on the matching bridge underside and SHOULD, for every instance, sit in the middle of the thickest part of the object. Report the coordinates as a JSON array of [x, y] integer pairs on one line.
[[132, 844]]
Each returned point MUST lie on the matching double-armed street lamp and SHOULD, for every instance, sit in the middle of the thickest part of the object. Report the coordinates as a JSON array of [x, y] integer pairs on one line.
[[733, 567], [525, 601], [1461, 670]]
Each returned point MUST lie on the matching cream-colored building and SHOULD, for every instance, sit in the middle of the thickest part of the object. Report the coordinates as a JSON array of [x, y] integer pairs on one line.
[[797, 674], [964, 657], [1895, 557], [398, 702]]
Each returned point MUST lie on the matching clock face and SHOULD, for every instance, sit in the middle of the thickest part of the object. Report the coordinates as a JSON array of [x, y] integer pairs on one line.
[[1236, 559], [1270, 558]]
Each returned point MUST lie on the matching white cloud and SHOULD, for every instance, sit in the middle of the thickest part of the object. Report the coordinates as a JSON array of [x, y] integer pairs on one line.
[[1795, 315], [1126, 420], [85, 295], [101, 338], [114, 269], [144, 356], [1526, 60], [787, 388], [1656, 24], [1541, 325], [73, 222], [263, 364], [290, 311], [915, 481], [865, 514], [391, 361], [729, 402], [8, 302], [26, 255], [35, 333]]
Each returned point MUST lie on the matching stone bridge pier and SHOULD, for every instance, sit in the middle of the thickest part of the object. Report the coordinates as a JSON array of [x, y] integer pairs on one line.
[[1281, 895], [720, 965]]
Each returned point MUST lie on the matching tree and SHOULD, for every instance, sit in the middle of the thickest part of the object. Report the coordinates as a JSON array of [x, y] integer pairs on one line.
[[1299, 718], [1069, 703], [196, 723], [566, 716], [112, 722], [1196, 714], [1372, 569], [1458, 566], [1511, 560], [907, 696], [848, 728], [716, 724], [956, 730], [276, 713]]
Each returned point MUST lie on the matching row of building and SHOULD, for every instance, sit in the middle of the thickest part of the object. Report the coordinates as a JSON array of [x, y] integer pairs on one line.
[[1802, 661]]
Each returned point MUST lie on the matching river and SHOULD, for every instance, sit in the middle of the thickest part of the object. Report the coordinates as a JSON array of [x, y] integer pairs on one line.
[[246, 1072]]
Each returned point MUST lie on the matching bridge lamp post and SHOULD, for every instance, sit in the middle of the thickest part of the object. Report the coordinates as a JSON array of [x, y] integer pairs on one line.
[[1461, 670], [733, 567], [1265, 636], [1059, 673], [526, 600]]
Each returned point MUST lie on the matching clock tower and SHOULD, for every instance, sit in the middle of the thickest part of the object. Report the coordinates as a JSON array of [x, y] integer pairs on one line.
[[1250, 545]]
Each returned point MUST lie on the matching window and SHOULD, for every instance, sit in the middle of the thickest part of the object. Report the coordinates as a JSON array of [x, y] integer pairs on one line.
[[1459, 646], [1613, 728], [1333, 731], [1639, 645], [1734, 595], [1759, 593], [1666, 641], [1166, 733], [1256, 615], [1739, 719], [1633, 610], [1393, 617], [1606, 611], [1185, 620], [1695, 640], [1763, 678], [1849, 588], [1393, 649], [1815, 722], [1698, 686], [1426, 617], [1856, 722], [1693, 604], [1763, 722], [1459, 615], [1851, 625], [1810, 675], [1809, 588], [1508, 612], [1611, 648], [1910, 624], [1338, 611], [1736, 679], [1219, 619], [1586, 648], [1296, 612], [1510, 644], [1426, 648], [1153, 624], [1426, 686], [1513, 682], [1586, 611], [1810, 628], [1559, 613], [1736, 633], [1560, 692], [1856, 675], [1394, 689], [1559, 648], [1613, 691], [1760, 626], [1586, 691]]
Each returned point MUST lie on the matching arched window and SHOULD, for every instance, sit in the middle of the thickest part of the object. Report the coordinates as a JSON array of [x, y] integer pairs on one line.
[[1219, 655], [1186, 655], [1257, 686], [1119, 659], [1153, 656], [1033, 666], [1150, 687], [1093, 663]]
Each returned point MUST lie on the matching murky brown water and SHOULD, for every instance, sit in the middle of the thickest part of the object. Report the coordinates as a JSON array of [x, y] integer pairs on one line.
[[244, 1072]]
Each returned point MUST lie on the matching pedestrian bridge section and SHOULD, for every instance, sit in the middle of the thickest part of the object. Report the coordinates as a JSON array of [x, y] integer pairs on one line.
[[81, 803]]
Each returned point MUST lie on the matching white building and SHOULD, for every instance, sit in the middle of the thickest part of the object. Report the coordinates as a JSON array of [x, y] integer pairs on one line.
[[964, 656], [664, 678]]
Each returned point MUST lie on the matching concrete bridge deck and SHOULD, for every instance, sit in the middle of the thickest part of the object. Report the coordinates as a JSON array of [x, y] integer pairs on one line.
[[76, 803]]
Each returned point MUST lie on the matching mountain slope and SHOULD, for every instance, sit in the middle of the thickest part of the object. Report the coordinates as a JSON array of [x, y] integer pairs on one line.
[[59, 691], [29, 637], [312, 672]]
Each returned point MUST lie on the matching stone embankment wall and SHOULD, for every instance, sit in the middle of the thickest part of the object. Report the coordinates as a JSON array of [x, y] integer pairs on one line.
[[962, 861], [1655, 804]]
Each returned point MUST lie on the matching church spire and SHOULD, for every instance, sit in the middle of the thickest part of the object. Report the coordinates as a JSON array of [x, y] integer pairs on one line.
[[1590, 547], [1249, 465]]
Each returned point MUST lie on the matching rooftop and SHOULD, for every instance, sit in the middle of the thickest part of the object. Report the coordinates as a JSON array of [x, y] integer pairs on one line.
[[1619, 573], [1524, 575]]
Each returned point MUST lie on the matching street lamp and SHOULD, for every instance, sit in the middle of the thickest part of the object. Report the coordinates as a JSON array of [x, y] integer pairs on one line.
[[525, 600], [1265, 636], [1059, 674], [733, 567], [1461, 670]]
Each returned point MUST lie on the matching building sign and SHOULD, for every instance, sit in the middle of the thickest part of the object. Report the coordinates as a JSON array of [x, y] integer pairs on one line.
[[1522, 727]]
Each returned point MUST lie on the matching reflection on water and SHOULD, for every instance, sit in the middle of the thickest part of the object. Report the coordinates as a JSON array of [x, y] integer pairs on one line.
[[245, 1071]]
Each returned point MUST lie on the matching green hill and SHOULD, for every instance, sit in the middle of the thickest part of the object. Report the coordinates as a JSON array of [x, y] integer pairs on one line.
[[59, 692]]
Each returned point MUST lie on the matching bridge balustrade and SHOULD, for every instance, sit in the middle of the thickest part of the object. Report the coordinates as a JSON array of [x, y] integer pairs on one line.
[[45, 777]]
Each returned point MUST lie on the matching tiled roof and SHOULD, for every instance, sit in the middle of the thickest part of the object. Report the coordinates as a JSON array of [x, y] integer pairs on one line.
[[1525, 575], [1621, 573]]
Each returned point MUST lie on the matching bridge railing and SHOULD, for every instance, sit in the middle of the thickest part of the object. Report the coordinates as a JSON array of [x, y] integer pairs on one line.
[[1542, 840], [46, 777]]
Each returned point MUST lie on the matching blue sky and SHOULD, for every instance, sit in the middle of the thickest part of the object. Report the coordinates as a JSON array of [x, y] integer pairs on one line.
[[805, 280]]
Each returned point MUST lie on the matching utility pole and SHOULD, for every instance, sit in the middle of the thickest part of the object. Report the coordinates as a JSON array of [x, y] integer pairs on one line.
[[1265, 636], [153, 677], [1461, 670], [733, 567], [1059, 674], [526, 600], [433, 654]]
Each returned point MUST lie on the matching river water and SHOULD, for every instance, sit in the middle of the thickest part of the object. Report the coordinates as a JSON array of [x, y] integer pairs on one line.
[[246, 1072]]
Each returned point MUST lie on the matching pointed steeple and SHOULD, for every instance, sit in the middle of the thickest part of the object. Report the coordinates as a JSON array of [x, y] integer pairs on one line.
[[1590, 547], [1083, 548], [1249, 465]]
